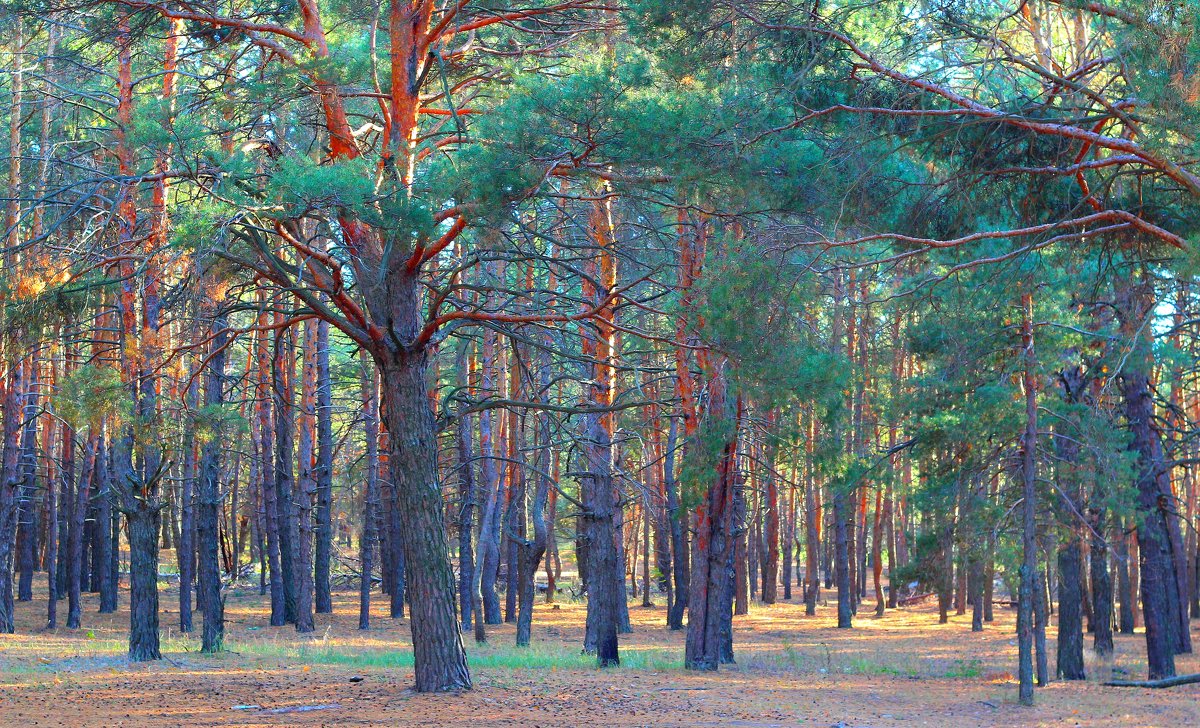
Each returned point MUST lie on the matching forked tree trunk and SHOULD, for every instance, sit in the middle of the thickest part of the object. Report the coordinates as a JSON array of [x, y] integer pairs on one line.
[[532, 551], [1163, 606], [711, 590], [440, 662]]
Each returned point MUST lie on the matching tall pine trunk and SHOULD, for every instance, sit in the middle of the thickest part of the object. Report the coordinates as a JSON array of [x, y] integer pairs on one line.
[[208, 501], [324, 474]]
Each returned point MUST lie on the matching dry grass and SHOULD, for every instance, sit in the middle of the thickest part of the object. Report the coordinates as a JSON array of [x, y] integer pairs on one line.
[[903, 669]]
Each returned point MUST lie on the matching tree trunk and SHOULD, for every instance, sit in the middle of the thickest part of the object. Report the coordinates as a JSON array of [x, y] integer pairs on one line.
[[1028, 570], [679, 543], [440, 661], [264, 412], [1163, 609], [144, 521], [370, 532], [324, 474], [489, 535], [843, 526], [186, 553], [27, 522], [605, 584], [283, 372], [1128, 602], [1102, 593], [1070, 611], [306, 484], [711, 590], [770, 580], [75, 559], [208, 501], [10, 478], [532, 551]]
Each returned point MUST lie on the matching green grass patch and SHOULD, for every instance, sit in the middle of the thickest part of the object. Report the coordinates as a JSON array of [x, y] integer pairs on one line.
[[533, 657]]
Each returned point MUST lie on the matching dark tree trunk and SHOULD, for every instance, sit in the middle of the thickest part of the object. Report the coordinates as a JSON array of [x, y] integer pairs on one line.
[[711, 590], [370, 531], [208, 502], [976, 580], [677, 517], [52, 533], [740, 556], [489, 534], [305, 492], [28, 526], [1028, 569], [605, 581], [66, 495], [1070, 610], [1102, 595], [466, 519], [283, 372], [515, 526], [186, 555], [75, 559], [108, 528], [770, 576], [812, 542], [1070, 561], [324, 474], [843, 526], [1163, 606], [440, 660], [532, 551], [396, 561], [270, 494], [10, 481], [789, 539], [143, 520], [1128, 604]]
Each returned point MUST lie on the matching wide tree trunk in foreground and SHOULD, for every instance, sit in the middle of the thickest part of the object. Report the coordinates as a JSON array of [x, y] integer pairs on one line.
[[710, 594], [143, 518], [1158, 538], [440, 660]]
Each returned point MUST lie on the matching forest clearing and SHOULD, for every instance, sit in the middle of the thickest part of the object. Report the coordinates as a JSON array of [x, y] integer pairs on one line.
[[792, 670], [647, 362]]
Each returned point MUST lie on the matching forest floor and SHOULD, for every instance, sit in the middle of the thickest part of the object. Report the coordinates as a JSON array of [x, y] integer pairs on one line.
[[904, 669]]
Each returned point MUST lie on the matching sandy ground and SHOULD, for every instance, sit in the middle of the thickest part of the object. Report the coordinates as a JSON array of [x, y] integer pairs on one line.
[[901, 670]]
